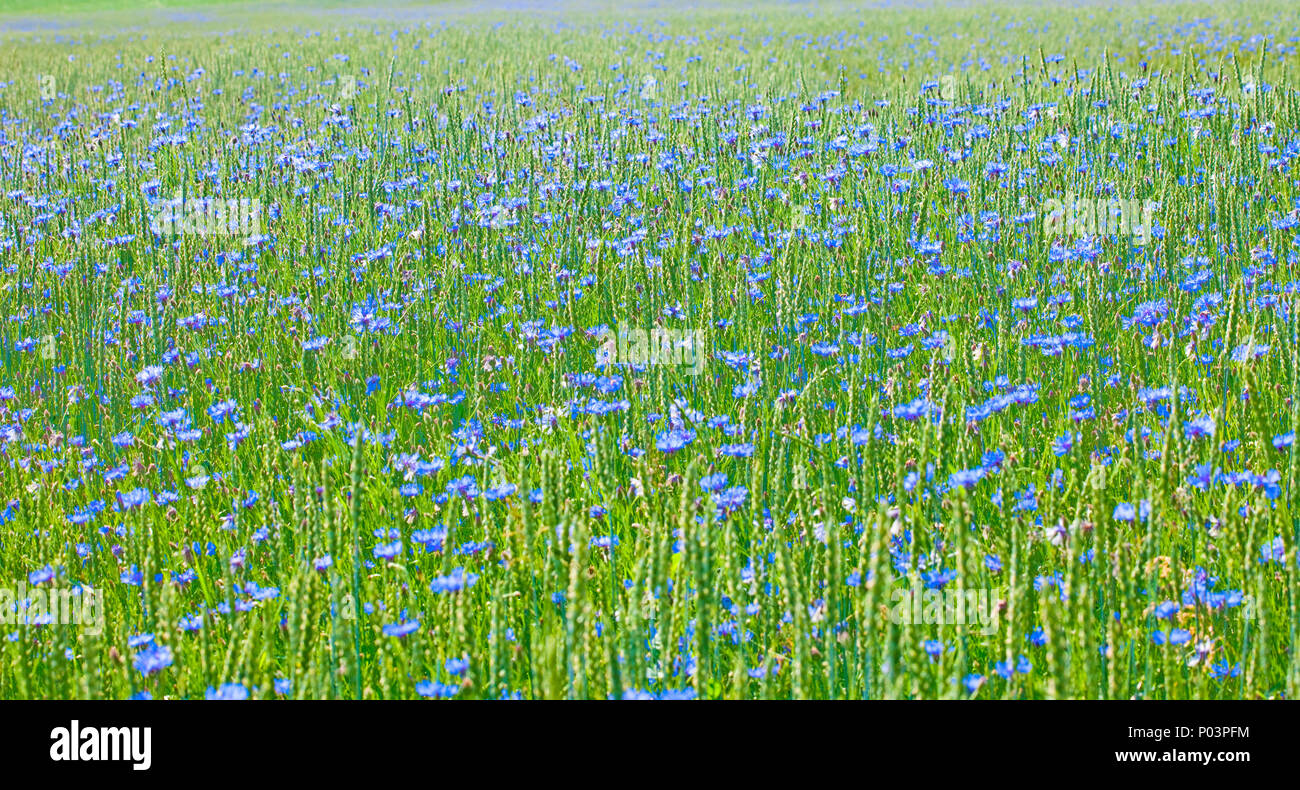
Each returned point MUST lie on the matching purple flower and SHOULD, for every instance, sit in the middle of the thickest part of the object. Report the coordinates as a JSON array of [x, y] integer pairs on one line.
[[153, 659]]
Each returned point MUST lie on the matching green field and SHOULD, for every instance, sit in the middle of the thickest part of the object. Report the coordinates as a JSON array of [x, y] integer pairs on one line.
[[646, 350]]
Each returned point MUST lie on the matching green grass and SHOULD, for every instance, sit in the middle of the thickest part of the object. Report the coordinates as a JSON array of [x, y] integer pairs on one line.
[[848, 501], [75, 7]]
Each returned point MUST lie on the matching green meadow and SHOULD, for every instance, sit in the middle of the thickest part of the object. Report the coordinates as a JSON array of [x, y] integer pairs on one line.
[[648, 350]]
